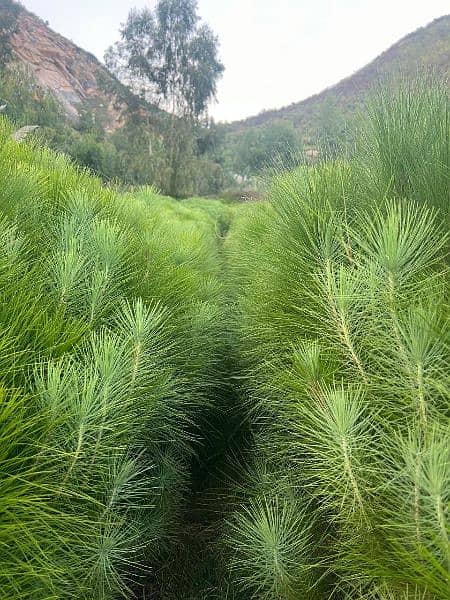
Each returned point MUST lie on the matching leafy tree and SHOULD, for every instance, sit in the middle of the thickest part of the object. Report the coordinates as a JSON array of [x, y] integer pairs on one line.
[[171, 59], [275, 145]]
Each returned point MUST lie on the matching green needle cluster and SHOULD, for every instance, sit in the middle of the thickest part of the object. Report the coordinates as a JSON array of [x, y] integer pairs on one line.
[[110, 347], [340, 287]]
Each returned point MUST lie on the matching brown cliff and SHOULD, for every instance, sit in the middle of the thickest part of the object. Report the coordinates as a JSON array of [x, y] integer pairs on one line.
[[75, 77]]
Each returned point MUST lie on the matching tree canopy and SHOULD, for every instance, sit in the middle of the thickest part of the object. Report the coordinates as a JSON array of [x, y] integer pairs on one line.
[[275, 144], [168, 56]]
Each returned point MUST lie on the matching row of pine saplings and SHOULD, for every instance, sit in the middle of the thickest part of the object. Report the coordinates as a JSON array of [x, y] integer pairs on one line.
[[341, 288], [109, 317]]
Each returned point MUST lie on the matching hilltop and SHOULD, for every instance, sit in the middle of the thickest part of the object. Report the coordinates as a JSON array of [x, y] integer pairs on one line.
[[424, 49]]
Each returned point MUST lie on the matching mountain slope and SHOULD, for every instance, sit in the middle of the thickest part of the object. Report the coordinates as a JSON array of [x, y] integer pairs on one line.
[[81, 109], [426, 48], [75, 77]]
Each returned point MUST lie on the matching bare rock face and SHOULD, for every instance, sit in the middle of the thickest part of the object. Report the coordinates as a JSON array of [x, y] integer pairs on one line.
[[69, 72]]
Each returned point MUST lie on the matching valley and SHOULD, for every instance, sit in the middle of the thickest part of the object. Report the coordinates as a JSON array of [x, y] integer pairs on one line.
[[221, 393]]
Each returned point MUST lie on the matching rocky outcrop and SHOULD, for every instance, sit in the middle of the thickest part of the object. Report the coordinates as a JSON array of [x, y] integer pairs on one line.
[[69, 72]]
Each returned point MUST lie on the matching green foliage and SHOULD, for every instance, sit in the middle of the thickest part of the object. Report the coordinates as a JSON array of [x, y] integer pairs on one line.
[[9, 11], [168, 57], [100, 156], [110, 308], [340, 286], [404, 150], [275, 146], [136, 154], [26, 102], [271, 549], [333, 131]]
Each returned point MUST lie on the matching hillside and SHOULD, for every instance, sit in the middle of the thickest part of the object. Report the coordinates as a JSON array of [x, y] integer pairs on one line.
[[83, 110], [75, 77], [424, 49]]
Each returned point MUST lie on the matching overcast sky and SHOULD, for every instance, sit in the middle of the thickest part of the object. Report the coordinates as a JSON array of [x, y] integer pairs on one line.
[[275, 51]]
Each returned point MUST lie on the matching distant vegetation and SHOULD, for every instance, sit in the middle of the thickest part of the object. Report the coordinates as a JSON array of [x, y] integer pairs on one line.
[[136, 154], [166, 138], [9, 11]]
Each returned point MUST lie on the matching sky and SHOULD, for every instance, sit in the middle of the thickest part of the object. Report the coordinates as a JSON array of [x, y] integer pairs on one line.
[[275, 52]]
